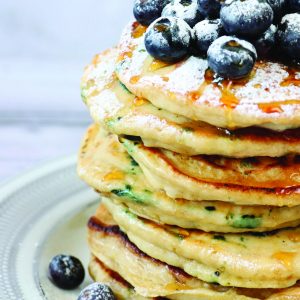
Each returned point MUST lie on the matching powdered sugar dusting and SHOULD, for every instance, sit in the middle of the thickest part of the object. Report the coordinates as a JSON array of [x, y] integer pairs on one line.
[[268, 83], [246, 17], [293, 21], [182, 33], [188, 13], [208, 29], [191, 74]]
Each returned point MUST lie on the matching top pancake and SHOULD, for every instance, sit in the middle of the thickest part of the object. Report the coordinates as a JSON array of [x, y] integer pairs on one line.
[[122, 113], [269, 98]]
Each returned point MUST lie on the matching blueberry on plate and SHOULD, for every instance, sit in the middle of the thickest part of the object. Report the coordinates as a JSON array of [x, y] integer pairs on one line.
[[246, 18], [66, 271], [147, 11], [205, 33], [97, 291], [278, 7], [168, 39], [209, 8], [266, 41], [294, 5], [183, 9], [231, 58], [288, 35]]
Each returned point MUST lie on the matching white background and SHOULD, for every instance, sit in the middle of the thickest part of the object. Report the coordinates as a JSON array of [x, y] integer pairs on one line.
[[44, 46]]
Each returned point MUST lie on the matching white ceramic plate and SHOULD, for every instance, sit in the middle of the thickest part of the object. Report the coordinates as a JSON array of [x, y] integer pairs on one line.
[[42, 214]]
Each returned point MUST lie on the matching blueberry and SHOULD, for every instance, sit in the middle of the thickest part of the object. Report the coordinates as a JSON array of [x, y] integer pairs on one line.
[[278, 7], [230, 57], [246, 18], [294, 5], [289, 35], [66, 271], [168, 39], [266, 41], [147, 11], [209, 8], [97, 291], [205, 32], [183, 9]]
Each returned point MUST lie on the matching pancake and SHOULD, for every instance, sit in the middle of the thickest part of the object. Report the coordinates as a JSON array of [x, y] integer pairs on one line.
[[162, 175], [269, 97], [121, 112], [121, 288], [106, 166], [107, 241], [242, 260], [150, 277], [261, 172]]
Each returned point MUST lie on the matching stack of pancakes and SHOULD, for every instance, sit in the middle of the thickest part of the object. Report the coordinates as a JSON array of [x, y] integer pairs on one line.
[[199, 179]]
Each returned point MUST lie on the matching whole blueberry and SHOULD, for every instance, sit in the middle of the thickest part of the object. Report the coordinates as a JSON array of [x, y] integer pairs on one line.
[[246, 18], [66, 271], [294, 5], [230, 57], [278, 7], [289, 35], [266, 41], [209, 8], [183, 9], [97, 291], [168, 39], [205, 33], [147, 11]]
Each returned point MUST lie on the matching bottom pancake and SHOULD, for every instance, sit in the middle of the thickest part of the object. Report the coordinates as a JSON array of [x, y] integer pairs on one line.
[[152, 278]]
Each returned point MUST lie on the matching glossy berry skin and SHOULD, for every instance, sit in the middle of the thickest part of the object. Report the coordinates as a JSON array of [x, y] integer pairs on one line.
[[278, 7], [209, 8], [183, 9], [205, 33], [97, 291], [231, 58], [168, 39], [288, 35], [66, 272], [147, 11], [294, 5], [266, 41], [246, 18]]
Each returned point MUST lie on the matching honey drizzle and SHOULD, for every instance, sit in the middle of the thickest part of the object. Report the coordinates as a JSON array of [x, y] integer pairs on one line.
[[157, 64], [135, 79], [270, 108], [138, 30], [291, 79], [276, 106], [139, 101], [227, 98], [286, 258]]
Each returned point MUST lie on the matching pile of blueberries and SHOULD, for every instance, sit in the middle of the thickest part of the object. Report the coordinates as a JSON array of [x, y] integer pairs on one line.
[[231, 33]]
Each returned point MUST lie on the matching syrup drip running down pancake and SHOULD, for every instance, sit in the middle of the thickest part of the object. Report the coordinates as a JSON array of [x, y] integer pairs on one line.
[[107, 240], [106, 166], [269, 98], [227, 259], [121, 112]]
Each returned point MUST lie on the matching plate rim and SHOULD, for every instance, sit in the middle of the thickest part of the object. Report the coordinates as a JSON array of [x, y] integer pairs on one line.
[[31, 189], [9, 185]]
